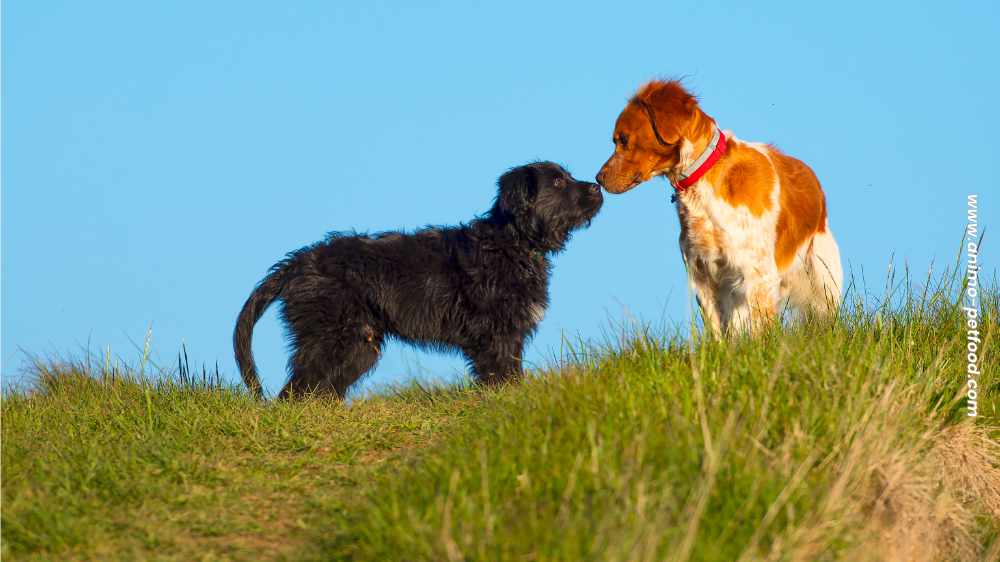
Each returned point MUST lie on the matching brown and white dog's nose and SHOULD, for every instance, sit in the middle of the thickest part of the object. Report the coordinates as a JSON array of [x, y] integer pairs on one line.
[[600, 177]]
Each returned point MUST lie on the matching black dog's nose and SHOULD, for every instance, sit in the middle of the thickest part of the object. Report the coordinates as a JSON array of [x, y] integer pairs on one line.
[[594, 187]]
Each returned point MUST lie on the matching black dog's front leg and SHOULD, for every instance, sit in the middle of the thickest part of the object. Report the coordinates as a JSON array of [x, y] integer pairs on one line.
[[499, 361]]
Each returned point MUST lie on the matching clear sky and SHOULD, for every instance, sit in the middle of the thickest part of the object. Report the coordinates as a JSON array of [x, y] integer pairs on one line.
[[158, 157]]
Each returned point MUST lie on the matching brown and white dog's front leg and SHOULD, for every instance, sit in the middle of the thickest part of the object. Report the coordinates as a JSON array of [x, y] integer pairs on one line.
[[755, 306], [708, 302], [735, 302]]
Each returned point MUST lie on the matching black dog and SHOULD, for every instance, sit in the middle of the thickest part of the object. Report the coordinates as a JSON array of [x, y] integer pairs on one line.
[[481, 288]]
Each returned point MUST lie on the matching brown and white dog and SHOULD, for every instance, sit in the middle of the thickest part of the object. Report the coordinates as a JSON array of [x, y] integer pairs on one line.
[[754, 231]]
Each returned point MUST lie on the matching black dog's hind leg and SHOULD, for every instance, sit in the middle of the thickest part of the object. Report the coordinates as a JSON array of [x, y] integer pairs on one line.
[[498, 362], [334, 344], [331, 366]]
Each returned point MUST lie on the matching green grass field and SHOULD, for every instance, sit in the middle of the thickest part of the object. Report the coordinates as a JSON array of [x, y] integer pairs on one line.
[[827, 440]]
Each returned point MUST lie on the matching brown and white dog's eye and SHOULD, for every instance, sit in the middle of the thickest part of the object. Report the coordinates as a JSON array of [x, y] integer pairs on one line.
[[623, 140]]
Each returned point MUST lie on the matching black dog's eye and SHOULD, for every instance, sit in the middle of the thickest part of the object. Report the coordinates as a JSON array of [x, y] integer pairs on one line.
[[623, 140], [558, 182]]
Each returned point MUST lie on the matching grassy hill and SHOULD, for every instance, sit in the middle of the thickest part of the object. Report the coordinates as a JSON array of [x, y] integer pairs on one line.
[[843, 440]]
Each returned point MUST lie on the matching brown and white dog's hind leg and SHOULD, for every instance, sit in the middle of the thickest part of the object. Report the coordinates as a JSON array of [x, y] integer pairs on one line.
[[815, 281], [826, 274]]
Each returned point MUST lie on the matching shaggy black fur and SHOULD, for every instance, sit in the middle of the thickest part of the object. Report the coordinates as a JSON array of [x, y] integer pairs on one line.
[[481, 288]]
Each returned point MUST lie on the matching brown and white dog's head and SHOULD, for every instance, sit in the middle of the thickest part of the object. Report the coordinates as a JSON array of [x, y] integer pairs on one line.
[[653, 135]]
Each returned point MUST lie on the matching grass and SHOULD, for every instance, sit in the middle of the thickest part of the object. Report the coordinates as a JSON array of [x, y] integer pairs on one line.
[[828, 440]]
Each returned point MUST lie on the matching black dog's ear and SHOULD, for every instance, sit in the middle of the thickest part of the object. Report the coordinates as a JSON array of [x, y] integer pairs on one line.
[[518, 188]]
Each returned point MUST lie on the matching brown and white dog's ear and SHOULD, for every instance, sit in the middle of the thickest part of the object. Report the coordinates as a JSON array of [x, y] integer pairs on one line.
[[669, 107]]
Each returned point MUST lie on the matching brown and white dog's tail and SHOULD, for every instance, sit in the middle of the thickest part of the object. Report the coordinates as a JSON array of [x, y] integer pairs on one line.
[[266, 292]]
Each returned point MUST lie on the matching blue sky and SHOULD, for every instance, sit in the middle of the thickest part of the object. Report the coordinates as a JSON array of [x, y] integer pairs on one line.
[[159, 157]]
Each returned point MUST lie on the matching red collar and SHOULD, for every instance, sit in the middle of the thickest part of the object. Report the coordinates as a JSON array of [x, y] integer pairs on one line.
[[715, 149]]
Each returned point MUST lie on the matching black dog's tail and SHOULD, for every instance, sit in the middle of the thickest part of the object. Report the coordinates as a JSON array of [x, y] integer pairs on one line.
[[266, 292]]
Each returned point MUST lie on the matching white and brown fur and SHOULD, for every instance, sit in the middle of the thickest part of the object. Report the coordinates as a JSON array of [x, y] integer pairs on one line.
[[755, 236]]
